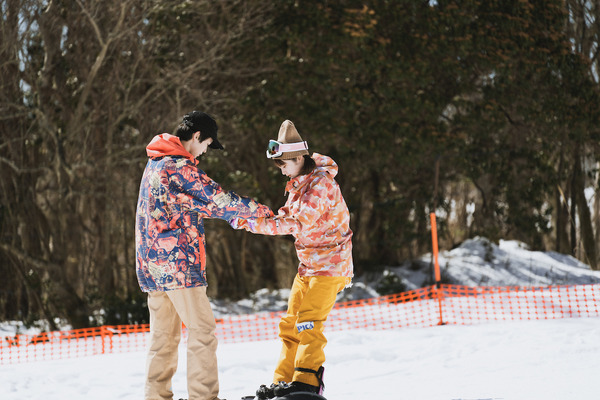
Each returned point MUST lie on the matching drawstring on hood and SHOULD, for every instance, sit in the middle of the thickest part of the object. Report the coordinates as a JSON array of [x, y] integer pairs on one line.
[[166, 144]]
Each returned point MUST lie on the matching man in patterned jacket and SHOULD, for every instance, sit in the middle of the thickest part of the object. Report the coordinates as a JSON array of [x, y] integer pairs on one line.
[[175, 195]]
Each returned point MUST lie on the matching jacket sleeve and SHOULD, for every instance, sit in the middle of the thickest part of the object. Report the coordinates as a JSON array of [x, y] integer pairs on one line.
[[313, 204], [198, 192], [279, 225]]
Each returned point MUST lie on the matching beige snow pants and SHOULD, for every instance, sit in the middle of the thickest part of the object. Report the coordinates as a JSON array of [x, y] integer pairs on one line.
[[167, 311]]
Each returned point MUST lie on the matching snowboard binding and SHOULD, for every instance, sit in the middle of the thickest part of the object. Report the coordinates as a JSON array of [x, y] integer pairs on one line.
[[292, 396], [292, 391]]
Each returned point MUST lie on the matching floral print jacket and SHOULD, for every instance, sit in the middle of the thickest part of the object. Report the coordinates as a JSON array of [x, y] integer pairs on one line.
[[174, 198], [316, 214]]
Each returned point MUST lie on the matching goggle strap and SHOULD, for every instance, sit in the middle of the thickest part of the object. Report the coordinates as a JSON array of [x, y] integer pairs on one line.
[[287, 147], [276, 149]]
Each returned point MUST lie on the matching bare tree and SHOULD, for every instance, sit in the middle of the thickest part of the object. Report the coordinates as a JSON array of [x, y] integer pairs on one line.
[[85, 85], [583, 29]]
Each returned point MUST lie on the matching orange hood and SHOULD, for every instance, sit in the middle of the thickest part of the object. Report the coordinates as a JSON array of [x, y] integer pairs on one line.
[[166, 144]]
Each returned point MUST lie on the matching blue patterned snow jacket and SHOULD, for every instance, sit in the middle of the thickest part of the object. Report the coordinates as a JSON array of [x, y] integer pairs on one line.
[[174, 198]]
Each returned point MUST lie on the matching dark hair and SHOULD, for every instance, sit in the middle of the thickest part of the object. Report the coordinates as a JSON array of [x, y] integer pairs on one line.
[[198, 121], [184, 132], [307, 168]]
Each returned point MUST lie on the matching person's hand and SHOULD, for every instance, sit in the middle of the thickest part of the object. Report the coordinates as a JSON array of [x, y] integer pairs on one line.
[[235, 223], [250, 225], [266, 211], [240, 223]]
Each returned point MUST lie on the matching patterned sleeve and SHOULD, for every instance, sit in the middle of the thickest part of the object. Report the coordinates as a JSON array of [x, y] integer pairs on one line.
[[278, 225], [197, 191], [313, 204]]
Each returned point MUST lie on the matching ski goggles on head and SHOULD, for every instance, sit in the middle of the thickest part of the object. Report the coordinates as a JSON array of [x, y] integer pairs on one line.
[[276, 149]]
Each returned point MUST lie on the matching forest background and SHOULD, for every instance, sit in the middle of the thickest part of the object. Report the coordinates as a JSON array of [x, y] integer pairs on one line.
[[486, 112]]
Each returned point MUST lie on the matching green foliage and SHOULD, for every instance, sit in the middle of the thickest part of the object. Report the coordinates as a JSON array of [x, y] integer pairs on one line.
[[117, 311], [397, 85], [390, 283]]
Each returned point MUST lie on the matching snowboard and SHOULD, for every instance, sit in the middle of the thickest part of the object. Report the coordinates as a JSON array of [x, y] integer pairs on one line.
[[293, 396]]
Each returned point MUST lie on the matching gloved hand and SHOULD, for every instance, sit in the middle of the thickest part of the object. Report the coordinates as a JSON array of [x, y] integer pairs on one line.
[[249, 225], [235, 223], [240, 223], [266, 211]]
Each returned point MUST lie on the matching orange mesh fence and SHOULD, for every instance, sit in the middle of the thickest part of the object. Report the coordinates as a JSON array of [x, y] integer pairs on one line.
[[429, 306], [73, 343], [471, 305]]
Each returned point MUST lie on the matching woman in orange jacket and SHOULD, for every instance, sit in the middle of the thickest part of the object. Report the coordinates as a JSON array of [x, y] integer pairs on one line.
[[316, 214]]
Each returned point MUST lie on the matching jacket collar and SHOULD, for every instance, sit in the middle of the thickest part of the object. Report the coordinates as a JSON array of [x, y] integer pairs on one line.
[[296, 183], [166, 144]]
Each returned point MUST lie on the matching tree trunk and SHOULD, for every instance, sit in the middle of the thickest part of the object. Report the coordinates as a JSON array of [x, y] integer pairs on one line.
[[584, 214]]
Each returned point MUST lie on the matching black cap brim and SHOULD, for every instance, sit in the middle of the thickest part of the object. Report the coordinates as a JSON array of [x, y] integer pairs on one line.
[[216, 145]]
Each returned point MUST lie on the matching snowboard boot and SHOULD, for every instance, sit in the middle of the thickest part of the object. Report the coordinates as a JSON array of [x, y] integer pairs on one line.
[[282, 389]]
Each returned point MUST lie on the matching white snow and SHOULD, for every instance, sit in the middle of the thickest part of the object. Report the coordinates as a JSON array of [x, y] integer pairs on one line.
[[479, 262], [545, 360]]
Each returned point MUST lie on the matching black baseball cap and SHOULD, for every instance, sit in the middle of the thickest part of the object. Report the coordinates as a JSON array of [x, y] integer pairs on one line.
[[201, 121]]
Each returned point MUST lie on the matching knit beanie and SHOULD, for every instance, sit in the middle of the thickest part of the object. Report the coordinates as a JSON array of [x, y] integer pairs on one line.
[[288, 134]]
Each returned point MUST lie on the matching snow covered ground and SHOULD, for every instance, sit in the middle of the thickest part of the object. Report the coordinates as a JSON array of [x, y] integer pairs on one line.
[[539, 360], [545, 360], [479, 262]]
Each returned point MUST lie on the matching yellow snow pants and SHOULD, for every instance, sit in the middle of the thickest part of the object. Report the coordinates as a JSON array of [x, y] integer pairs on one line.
[[301, 329]]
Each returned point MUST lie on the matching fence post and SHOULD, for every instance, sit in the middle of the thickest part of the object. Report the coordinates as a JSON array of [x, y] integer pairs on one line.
[[437, 288], [106, 334]]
